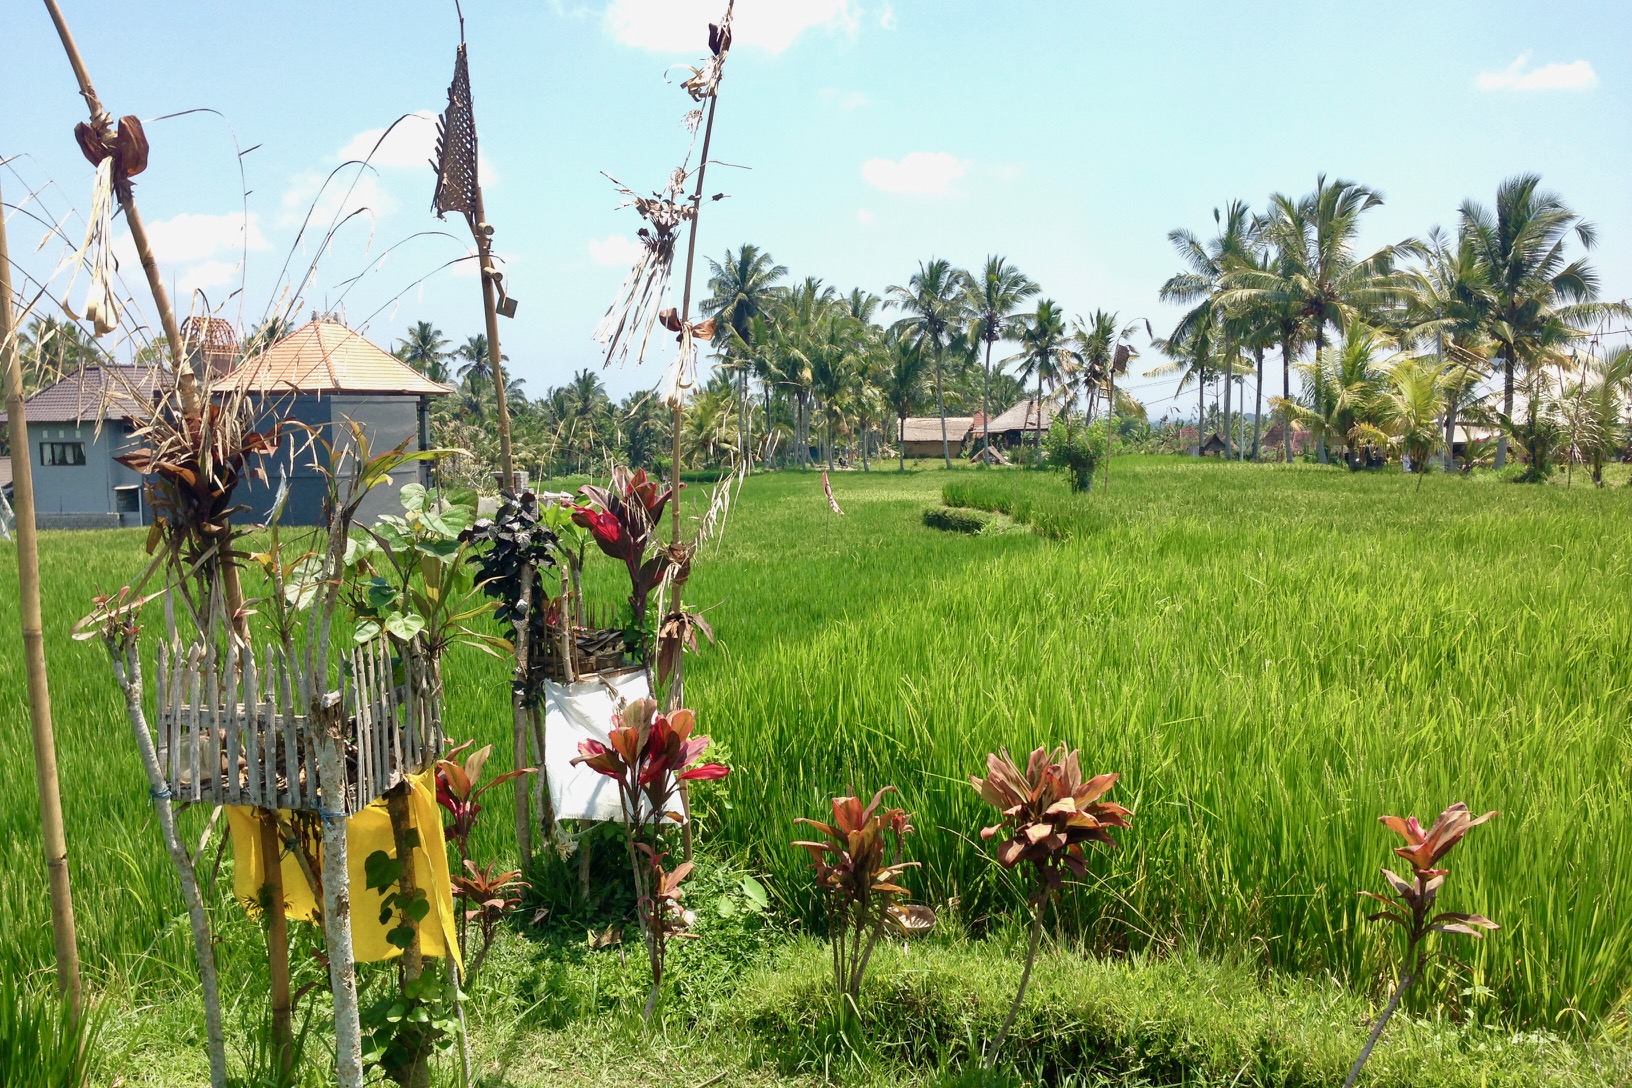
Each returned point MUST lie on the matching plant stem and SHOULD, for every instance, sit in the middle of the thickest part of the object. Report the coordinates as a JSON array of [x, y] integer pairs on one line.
[[1020, 995], [277, 941], [1382, 1022]]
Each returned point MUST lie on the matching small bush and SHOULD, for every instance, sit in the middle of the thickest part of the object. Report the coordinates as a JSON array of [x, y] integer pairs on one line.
[[953, 520], [1077, 450]]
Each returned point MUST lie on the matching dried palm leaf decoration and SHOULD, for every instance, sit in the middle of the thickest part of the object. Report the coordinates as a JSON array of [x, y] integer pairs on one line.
[[118, 153], [705, 81], [455, 163], [627, 324]]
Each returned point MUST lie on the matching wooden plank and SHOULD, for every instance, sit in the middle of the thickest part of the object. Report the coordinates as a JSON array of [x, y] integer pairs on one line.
[[278, 734], [391, 728], [193, 717], [254, 734], [227, 715]]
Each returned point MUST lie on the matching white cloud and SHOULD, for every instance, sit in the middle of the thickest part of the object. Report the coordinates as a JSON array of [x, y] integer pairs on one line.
[[614, 249], [921, 173], [1577, 75], [347, 191], [886, 18], [865, 217], [411, 143], [669, 26], [206, 277], [189, 237]]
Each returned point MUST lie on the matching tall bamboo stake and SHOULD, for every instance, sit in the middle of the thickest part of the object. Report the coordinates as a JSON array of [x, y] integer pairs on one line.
[[186, 380], [490, 307], [39, 693], [277, 940]]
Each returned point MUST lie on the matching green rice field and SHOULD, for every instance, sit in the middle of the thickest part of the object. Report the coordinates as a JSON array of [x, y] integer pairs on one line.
[[1271, 656]]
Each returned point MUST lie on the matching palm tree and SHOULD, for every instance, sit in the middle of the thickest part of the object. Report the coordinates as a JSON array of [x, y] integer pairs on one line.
[[933, 301], [741, 288], [902, 382], [992, 300], [1531, 301], [1344, 389], [1045, 352], [1193, 358], [1203, 281], [832, 349], [588, 415], [1594, 410], [426, 350], [1315, 276], [1409, 407], [266, 334], [52, 348]]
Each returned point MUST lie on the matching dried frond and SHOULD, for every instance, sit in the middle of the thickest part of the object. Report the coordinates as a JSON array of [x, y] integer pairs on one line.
[[456, 147], [634, 311]]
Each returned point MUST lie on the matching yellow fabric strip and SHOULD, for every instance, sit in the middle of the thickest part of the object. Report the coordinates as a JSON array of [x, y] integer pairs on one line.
[[366, 832]]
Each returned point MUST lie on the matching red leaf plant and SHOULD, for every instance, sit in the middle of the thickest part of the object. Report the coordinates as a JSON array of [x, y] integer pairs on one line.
[[483, 895], [1411, 903], [623, 519], [488, 895], [1050, 815], [648, 756], [858, 869]]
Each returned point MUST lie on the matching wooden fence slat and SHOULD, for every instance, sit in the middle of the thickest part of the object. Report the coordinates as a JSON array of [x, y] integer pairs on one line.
[[193, 715]]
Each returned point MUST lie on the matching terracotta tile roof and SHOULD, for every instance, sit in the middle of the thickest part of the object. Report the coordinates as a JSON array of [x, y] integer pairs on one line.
[[327, 357], [92, 393], [1022, 417], [928, 429]]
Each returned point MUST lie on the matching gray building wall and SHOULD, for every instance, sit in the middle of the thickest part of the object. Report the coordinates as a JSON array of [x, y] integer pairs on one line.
[[302, 456], [85, 496]]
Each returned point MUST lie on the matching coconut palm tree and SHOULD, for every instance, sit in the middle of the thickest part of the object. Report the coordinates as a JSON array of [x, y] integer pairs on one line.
[[906, 364], [1315, 275], [52, 348], [1344, 386], [832, 349], [1045, 352], [1203, 281], [1194, 358], [1593, 409], [1532, 301], [426, 350], [933, 302], [1408, 409], [1444, 308], [741, 288], [992, 300]]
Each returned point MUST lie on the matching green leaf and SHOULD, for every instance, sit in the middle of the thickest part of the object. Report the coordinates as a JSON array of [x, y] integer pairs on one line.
[[381, 871], [401, 937], [404, 625], [725, 906], [758, 898], [413, 497]]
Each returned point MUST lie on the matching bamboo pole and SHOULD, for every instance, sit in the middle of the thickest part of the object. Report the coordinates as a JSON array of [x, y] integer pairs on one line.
[[186, 380], [483, 234], [39, 693], [518, 715], [277, 941], [328, 725]]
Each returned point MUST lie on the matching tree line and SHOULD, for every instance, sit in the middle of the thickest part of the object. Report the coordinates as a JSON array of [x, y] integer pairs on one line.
[[1393, 348]]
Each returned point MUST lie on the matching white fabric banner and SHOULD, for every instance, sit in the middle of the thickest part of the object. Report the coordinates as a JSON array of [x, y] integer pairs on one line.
[[577, 712]]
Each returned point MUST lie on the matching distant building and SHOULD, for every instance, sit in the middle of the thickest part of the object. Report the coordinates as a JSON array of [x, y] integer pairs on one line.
[[921, 435], [1020, 424], [76, 427], [318, 377]]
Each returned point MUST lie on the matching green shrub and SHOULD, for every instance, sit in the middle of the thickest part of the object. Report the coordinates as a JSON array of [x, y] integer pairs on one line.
[[1077, 449]]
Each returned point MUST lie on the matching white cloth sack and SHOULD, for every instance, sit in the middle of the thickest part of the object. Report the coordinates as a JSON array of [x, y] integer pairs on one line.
[[577, 712]]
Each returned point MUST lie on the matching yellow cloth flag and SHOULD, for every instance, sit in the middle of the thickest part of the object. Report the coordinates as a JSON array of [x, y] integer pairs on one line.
[[366, 832]]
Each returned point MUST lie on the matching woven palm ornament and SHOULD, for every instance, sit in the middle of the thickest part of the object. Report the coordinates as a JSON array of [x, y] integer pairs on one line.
[[455, 163]]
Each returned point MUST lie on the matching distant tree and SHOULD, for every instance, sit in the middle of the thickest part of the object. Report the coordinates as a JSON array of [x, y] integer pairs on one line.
[[992, 299], [906, 365], [51, 348], [933, 302], [426, 350], [1045, 352], [741, 288], [1531, 301], [1204, 282]]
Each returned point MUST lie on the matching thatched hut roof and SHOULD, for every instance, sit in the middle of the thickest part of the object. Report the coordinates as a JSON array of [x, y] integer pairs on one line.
[[1023, 417], [928, 429]]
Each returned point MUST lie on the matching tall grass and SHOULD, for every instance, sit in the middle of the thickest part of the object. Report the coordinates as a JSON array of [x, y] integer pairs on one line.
[[1271, 657]]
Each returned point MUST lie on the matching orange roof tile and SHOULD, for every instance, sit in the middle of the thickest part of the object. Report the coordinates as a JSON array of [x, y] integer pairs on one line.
[[327, 357]]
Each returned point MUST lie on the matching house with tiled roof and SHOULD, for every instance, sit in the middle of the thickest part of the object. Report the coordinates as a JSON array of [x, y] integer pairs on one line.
[[323, 376], [77, 425]]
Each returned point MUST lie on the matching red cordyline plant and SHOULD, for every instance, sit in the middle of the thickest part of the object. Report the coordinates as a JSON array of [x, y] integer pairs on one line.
[[858, 866], [623, 520], [1411, 903], [649, 755], [1050, 816], [485, 895]]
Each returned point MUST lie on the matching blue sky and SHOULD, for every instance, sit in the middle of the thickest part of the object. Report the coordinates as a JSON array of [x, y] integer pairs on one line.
[[1069, 136]]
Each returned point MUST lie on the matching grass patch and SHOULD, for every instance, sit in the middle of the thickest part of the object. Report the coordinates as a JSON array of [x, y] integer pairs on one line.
[[951, 519]]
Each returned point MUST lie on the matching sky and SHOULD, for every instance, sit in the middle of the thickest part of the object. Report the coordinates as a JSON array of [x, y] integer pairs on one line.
[[863, 138]]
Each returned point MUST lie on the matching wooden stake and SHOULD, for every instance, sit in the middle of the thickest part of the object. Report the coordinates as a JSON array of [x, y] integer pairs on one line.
[[518, 717], [413, 962], [483, 234], [277, 941], [39, 693]]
